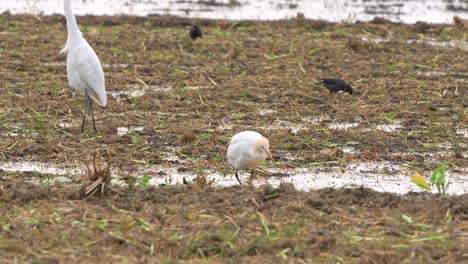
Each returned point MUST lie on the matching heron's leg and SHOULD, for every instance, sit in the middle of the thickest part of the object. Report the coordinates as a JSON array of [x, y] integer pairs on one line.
[[92, 113], [252, 174], [237, 177], [86, 104]]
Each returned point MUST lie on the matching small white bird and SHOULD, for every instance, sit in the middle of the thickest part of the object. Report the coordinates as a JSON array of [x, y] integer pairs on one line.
[[248, 150], [84, 70]]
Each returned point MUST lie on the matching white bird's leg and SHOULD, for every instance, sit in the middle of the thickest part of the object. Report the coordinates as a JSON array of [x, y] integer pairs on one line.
[[237, 177], [85, 111], [252, 172], [92, 113]]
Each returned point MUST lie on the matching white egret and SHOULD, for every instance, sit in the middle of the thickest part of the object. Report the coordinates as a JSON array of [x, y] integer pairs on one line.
[[248, 150], [84, 70]]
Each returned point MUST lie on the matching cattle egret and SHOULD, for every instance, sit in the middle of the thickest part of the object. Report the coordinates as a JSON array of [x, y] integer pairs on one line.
[[195, 32], [336, 85], [84, 70], [248, 150]]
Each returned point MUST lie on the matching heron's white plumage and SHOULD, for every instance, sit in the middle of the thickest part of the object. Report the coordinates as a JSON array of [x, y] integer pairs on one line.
[[248, 150], [83, 67]]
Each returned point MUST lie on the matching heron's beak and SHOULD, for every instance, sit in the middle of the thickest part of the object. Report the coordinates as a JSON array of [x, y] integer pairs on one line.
[[270, 156]]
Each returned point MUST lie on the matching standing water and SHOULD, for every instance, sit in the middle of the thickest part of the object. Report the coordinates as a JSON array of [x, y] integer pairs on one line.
[[406, 11]]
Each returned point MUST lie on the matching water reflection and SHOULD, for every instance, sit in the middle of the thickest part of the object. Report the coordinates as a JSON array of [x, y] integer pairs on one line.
[[408, 11], [380, 176]]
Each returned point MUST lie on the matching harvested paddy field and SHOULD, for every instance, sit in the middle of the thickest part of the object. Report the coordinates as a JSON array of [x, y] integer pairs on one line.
[[173, 105]]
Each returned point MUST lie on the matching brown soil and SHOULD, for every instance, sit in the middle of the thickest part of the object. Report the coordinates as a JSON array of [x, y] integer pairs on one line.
[[240, 69], [166, 224]]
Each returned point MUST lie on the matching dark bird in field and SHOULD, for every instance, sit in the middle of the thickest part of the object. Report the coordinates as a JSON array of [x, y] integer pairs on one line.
[[335, 85], [195, 32]]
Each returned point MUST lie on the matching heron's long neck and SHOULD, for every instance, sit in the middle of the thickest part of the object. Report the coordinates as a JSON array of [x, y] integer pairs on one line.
[[72, 26]]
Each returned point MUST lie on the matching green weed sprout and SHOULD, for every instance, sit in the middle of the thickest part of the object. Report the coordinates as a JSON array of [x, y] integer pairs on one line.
[[437, 179], [143, 182]]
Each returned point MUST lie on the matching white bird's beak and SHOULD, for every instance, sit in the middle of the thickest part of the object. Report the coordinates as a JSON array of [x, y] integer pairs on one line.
[[268, 153], [270, 156]]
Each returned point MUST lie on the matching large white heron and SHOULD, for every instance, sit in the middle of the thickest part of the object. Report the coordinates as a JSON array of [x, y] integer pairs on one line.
[[248, 150], [84, 70]]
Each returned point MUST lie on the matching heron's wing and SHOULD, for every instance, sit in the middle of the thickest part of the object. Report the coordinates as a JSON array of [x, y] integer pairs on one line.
[[89, 69]]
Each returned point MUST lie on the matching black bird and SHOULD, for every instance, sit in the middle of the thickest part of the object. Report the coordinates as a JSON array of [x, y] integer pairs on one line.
[[335, 85], [195, 32]]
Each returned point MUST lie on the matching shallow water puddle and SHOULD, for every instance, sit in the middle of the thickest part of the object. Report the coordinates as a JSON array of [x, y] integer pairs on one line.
[[40, 167], [462, 44], [393, 127], [292, 127], [383, 176], [307, 122], [125, 130], [156, 88], [434, 156], [444, 44], [27, 134], [408, 11], [148, 113], [317, 119], [126, 94], [136, 90], [454, 76], [197, 87], [462, 132], [223, 126], [380, 176], [347, 149], [342, 126], [430, 73], [66, 124], [264, 112]]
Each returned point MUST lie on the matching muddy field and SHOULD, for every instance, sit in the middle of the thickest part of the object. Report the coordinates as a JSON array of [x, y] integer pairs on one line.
[[174, 104]]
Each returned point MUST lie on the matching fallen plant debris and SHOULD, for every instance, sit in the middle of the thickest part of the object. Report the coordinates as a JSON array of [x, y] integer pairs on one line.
[[98, 173], [202, 180]]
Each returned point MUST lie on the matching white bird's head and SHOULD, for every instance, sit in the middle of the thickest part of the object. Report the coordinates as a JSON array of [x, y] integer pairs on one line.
[[262, 146], [74, 34]]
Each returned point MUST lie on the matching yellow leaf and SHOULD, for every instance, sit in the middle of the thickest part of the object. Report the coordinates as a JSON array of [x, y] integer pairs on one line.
[[420, 181]]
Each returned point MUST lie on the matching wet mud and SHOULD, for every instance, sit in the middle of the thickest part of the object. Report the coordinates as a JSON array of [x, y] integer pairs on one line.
[[174, 104]]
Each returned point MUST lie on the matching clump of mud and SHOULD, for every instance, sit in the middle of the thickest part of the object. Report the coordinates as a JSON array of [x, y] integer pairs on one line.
[[200, 193]]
